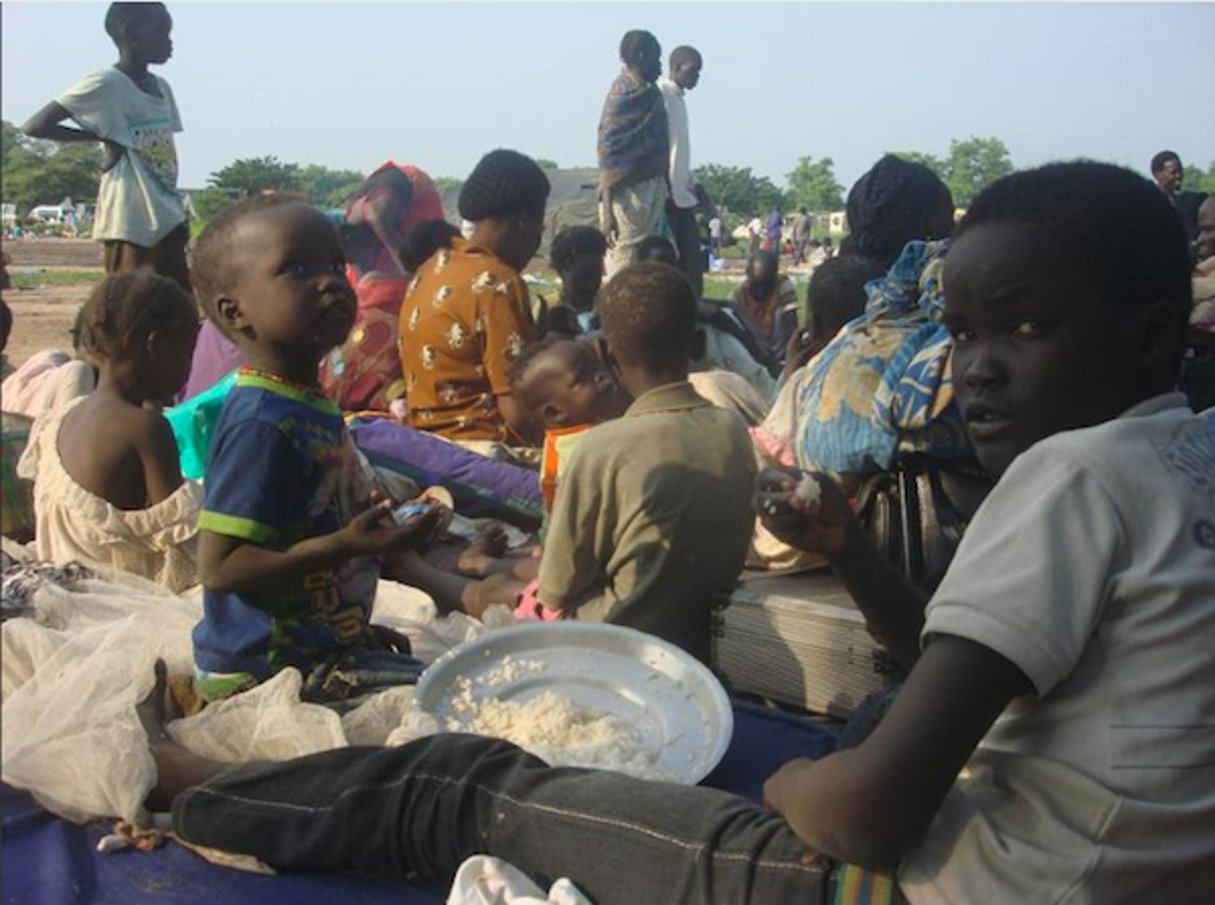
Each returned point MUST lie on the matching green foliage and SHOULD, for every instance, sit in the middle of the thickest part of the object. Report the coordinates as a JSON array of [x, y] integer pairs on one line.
[[253, 175], [36, 172], [1200, 180], [737, 190], [209, 202], [813, 185], [328, 188], [545, 164], [973, 165]]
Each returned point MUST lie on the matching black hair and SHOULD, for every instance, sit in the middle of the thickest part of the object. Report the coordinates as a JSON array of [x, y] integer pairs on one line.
[[77, 329], [657, 248], [575, 242], [685, 52], [888, 207], [767, 258], [502, 184], [1163, 157], [516, 371], [6, 323], [648, 313], [423, 240], [633, 43], [1101, 220], [125, 308], [836, 294], [211, 264], [121, 16]]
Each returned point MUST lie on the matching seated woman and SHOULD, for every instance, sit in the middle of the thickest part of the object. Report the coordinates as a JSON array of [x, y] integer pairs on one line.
[[48, 379], [467, 314], [108, 489], [393, 203]]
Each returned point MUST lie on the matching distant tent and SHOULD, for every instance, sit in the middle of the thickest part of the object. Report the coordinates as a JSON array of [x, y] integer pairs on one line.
[[572, 201]]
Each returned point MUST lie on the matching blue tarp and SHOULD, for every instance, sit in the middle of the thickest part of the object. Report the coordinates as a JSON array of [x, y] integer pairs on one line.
[[48, 861]]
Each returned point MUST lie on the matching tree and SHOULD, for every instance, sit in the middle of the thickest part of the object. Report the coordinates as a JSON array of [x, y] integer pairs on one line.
[[813, 185], [738, 190], [254, 175], [931, 161], [973, 165], [209, 202], [545, 164], [328, 188], [1199, 180], [45, 172]]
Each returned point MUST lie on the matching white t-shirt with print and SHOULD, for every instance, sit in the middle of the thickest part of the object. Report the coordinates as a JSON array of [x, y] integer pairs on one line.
[[1091, 566], [138, 201]]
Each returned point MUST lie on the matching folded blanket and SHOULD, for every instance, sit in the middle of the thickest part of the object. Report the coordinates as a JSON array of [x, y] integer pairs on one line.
[[633, 144]]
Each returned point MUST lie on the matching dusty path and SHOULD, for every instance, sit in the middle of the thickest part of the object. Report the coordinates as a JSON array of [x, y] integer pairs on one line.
[[43, 315]]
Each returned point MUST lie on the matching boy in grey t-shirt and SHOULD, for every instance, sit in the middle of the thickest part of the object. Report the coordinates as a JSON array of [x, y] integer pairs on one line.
[[141, 218]]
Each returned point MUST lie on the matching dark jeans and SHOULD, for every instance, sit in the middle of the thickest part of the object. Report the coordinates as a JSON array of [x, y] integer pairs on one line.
[[687, 243], [419, 810]]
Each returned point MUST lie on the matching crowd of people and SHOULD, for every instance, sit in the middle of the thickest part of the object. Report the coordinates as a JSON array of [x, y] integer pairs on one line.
[[1053, 740]]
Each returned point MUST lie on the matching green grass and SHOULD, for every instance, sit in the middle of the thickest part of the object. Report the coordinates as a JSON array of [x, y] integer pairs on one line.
[[50, 276]]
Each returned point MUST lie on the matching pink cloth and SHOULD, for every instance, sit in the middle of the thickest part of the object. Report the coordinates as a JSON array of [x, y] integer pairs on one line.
[[46, 381], [215, 356], [531, 609]]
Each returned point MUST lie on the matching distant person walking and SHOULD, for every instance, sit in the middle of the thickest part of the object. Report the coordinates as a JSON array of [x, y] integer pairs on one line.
[[685, 66], [801, 235], [755, 231], [633, 151], [141, 218], [776, 223], [716, 228]]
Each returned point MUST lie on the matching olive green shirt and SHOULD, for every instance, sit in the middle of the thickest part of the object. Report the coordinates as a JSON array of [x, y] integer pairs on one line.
[[652, 518]]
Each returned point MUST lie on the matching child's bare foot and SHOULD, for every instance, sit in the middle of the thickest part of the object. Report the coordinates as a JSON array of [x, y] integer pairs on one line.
[[177, 768]]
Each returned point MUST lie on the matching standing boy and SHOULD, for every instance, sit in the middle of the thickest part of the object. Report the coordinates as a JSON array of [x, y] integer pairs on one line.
[[686, 64], [140, 218], [633, 145], [652, 516]]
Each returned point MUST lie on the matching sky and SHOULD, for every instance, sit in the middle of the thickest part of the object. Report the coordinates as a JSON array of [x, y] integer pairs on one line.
[[349, 85]]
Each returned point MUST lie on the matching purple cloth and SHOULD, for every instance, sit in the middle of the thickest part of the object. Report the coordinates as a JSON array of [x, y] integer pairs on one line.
[[775, 222], [214, 358]]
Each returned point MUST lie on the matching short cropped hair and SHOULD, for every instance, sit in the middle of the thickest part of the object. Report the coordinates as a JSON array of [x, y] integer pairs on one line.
[[633, 43], [648, 312], [575, 242], [684, 53], [125, 308], [1163, 157], [516, 371], [836, 293], [1104, 221], [121, 16], [211, 264]]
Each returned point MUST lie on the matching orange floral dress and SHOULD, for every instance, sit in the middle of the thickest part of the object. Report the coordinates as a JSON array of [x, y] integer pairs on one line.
[[466, 316]]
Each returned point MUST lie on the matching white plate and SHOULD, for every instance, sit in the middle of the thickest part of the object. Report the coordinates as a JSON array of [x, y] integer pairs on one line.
[[674, 703]]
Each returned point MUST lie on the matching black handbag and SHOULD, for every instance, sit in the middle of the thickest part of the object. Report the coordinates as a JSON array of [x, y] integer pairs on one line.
[[916, 512]]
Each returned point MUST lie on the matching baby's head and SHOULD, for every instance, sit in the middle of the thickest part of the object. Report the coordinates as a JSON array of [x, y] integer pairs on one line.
[[143, 323], [836, 294], [563, 384], [577, 256], [141, 30], [649, 325], [1067, 292], [270, 273], [657, 248]]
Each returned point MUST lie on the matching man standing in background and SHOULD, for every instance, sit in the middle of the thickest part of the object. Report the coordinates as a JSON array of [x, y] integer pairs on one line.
[[685, 66]]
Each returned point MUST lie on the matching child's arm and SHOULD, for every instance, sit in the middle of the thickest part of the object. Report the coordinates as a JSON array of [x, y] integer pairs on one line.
[[157, 448], [47, 123], [234, 565], [893, 607], [871, 804]]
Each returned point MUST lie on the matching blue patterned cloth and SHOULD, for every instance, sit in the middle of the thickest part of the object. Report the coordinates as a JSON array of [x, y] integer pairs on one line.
[[884, 385]]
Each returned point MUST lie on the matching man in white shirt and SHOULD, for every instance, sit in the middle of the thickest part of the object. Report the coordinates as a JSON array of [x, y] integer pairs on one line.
[[681, 208]]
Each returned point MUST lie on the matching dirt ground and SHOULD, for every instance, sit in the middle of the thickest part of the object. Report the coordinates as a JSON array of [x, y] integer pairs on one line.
[[42, 315]]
